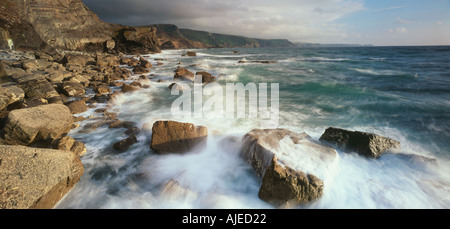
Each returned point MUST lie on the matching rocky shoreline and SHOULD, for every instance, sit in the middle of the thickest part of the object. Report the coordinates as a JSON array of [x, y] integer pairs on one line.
[[42, 96]]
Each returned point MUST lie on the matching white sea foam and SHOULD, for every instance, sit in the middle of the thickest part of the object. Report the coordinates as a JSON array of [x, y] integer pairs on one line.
[[216, 176]]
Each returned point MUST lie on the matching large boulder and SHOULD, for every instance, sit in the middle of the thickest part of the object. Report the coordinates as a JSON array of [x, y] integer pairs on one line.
[[366, 144], [177, 137], [206, 77], [37, 87], [284, 186], [33, 178], [44, 123], [291, 165], [184, 74]]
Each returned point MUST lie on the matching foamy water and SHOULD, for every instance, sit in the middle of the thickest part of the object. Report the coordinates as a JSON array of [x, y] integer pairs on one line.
[[216, 177]]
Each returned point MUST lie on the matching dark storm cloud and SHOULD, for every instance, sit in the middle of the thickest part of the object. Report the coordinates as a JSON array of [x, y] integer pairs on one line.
[[145, 12], [291, 19]]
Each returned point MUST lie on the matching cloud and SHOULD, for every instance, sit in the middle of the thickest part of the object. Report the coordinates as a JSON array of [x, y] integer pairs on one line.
[[292, 19], [439, 23], [398, 30], [402, 21], [388, 8]]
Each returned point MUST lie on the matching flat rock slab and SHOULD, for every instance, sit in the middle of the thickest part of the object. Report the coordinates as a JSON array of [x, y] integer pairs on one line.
[[177, 137], [46, 122], [366, 144], [33, 178]]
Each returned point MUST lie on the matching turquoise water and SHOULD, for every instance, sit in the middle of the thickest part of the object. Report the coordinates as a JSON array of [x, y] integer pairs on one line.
[[397, 92]]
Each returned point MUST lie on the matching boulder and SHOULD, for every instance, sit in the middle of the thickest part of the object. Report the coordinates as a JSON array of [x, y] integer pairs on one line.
[[177, 137], [82, 79], [77, 107], [366, 144], [33, 178], [184, 74], [190, 53], [176, 86], [286, 187], [206, 77], [128, 88], [288, 163], [132, 131], [81, 60], [145, 63], [67, 143], [102, 89], [43, 123], [104, 60], [140, 70], [72, 88], [10, 94], [37, 88], [125, 143]]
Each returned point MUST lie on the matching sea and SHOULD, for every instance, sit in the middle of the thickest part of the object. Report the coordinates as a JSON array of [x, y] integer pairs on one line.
[[402, 93]]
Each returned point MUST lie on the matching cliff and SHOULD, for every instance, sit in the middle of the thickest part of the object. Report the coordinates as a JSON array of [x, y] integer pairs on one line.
[[67, 25], [172, 37], [63, 24]]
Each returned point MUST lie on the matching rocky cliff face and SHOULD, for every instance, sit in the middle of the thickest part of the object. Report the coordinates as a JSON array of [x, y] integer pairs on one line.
[[66, 25]]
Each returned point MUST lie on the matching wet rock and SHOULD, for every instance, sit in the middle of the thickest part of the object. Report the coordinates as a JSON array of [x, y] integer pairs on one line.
[[136, 84], [145, 63], [140, 70], [177, 137], [25, 126], [206, 77], [176, 86], [35, 178], [77, 107], [366, 144], [269, 152], [133, 131], [172, 190], [121, 124], [88, 128], [286, 187], [128, 88], [78, 148], [184, 74], [190, 53], [125, 143]]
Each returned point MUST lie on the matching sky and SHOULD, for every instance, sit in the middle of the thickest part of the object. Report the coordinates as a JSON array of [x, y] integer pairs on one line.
[[377, 22]]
